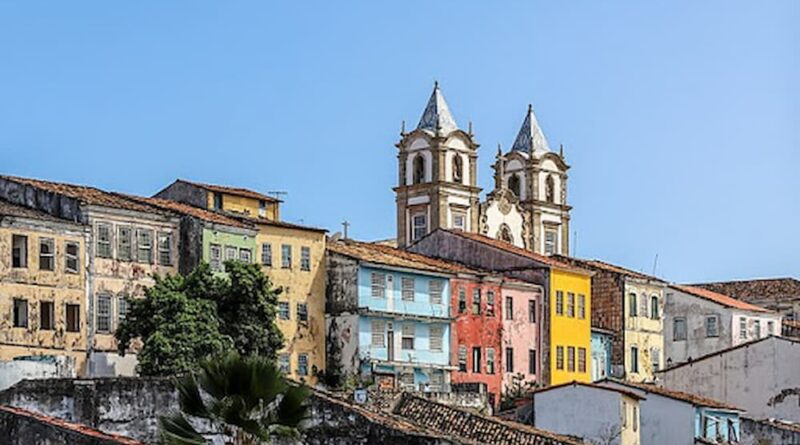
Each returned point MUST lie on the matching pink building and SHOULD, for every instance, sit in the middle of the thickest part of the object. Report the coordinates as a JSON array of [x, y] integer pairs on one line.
[[521, 349]]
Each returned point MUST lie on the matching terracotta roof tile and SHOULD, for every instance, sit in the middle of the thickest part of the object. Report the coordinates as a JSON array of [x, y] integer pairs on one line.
[[472, 426], [270, 222], [508, 247], [185, 209], [607, 267], [777, 289], [246, 193], [718, 298], [678, 395], [9, 209], [73, 427], [390, 256]]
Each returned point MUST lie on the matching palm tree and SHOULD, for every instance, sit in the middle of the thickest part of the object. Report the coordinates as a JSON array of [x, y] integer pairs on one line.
[[246, 398]]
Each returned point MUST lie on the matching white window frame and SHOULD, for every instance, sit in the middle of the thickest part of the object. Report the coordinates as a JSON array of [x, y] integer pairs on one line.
[[49, 257], [419, 226], [305, 258], [75, 258]]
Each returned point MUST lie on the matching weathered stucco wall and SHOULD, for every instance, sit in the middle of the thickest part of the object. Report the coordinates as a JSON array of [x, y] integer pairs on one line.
[[644, 331], [20, 427], [519, 333], [765, 432]]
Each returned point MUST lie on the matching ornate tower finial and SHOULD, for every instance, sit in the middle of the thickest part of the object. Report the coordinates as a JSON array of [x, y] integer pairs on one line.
[[403, 128], [470, 128], [435, 84], [499, 169], [530, 108], [561, 151]]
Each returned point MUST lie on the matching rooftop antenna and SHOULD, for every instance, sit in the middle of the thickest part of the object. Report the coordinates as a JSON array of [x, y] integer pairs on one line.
[[345, 226], [561, 150], [403, 127], [655, 264], [470, 128], [278, 194]]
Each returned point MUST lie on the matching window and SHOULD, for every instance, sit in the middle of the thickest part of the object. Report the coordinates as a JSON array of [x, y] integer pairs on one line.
[[531, 311], [582, 306], [122, 307], [305, 258], [144, 246], [420, 226], [73, 317], [20, 313], [436, 338], [458, 168], [72, 260], [245, 255], [509, 360], [462, 300], [215, 257], [302, 312], [560, 358], [757, 328], [643, 306], [742, 327], [437, 380], [103, 313], [570, 305], [419, 169], [509, 308], [47, 254], [459, 221], [571, 358], [632, 305], [124, 243], [408, 337], [476, 301], [378, 333], [266, 254], [531, 361], [655, 359], [231, 253], [655, 313], [550, 189], [679, 329], [550, 240], [514, 185], [378, 284], [581, 359], [560, 302], [47, 315], [770, 328], [283, 363], [407, 379], [103, 249], [19, 251], [284, 312], [476, 360], [712, 326], [286, 256], [407, 288], [262, 208], [217, 201], [165, 248], [634, 359], [490, 303], [490, 360], [462, 358], [302, 364], [435, 291]]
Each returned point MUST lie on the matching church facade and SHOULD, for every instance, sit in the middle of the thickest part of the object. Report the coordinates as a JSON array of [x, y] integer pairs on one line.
[[438, 184]]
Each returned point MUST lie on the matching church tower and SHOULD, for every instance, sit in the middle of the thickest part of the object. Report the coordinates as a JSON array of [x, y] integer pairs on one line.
[[537, 177], [437, 181]]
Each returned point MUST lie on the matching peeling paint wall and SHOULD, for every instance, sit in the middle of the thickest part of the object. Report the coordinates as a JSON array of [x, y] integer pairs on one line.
[[644, 332], [519, 333]]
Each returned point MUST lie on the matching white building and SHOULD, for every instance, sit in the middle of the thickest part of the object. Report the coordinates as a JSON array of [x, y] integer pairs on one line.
[[673, 417], [761, 377], [595, 413], [699, 322]]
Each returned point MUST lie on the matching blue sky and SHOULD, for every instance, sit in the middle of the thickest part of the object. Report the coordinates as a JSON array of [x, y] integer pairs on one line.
[[681, 119]]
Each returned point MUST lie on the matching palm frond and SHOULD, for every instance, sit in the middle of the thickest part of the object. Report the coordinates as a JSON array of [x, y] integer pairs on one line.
[[176, 430]]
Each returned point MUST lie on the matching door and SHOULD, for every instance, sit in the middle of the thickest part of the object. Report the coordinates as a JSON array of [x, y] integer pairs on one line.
[[390, 342]]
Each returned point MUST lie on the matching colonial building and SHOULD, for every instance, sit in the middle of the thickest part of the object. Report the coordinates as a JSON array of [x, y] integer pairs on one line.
[[522, 311], [630, 305], [129, 242], [776, 294], [700, 322], [563, 323], [293, 256], [42, 290], [437, 184], [389, 316]]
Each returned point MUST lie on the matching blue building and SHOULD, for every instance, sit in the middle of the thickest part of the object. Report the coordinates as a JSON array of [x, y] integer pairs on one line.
[[601, 353], [388, 316]]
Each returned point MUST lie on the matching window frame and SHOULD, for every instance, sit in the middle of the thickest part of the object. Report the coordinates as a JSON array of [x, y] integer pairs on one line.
[[302, 312], [76, 257], [19, 243], [48, 258], [266, 254], [305, 258], [100, 315], [20, 317], [532, 361], [408, 333], [559, 358], [655, 308], [490, 358], [560, 302], [634, 359], [142, 247], [490, 302], [419, 230], [707, 319], [215, 257], [286, 256], [477, 359], [476, 301], [571, 304], [68, 325], [509, 359], [509, 307], [302, 364], [164, 248], [462, 358], [51, 315], [284, 310], [378, 333], [377, 284], [125, 243], [571, 359], [436, 331], [676, 331], [106, 243], [408, 289]]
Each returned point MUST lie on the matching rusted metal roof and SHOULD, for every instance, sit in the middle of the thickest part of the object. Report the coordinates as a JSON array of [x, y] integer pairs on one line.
[[718, 298]]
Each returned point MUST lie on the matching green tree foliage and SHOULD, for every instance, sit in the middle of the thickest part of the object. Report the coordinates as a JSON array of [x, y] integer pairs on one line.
[[184, 319], [247, 399]]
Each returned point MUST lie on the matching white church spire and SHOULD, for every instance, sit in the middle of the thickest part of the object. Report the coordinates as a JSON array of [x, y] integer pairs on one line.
[[530, 138], [437, 115]]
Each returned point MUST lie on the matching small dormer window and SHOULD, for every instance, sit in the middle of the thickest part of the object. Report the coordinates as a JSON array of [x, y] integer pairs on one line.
[[419, 169], [217, 201], [458, 169]]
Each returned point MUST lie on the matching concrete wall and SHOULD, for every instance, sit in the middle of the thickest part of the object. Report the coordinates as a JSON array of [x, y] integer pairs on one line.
[[764, 432], [19, 427], [761, 377], [35, 367]]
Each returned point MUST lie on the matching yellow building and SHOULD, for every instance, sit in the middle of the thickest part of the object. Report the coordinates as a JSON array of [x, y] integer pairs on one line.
[[42, 287], [570, 324], [292, 256]]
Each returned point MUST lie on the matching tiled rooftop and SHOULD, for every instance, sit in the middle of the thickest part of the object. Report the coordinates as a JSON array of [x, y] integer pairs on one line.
[[246, 193], [9, 209], [747, 290], [607, 267], [468, 425], [718, 298], [185, 209], [677, 395], [61, 424], [390, 256]]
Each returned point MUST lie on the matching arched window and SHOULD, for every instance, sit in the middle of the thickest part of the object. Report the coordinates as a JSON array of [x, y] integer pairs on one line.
[[458, 169], [513, 185], [550, 189], [654, 309], [419, 169]]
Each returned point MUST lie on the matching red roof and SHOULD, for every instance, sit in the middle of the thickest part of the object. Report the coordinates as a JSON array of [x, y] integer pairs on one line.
[[390, 256], [61, 424], [608, 267], [185, 209], [508, 247], [718, 298], [246, 193]]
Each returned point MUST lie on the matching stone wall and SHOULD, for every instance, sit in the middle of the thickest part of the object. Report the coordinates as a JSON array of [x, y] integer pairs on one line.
[[21, 427], [765, 432]]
